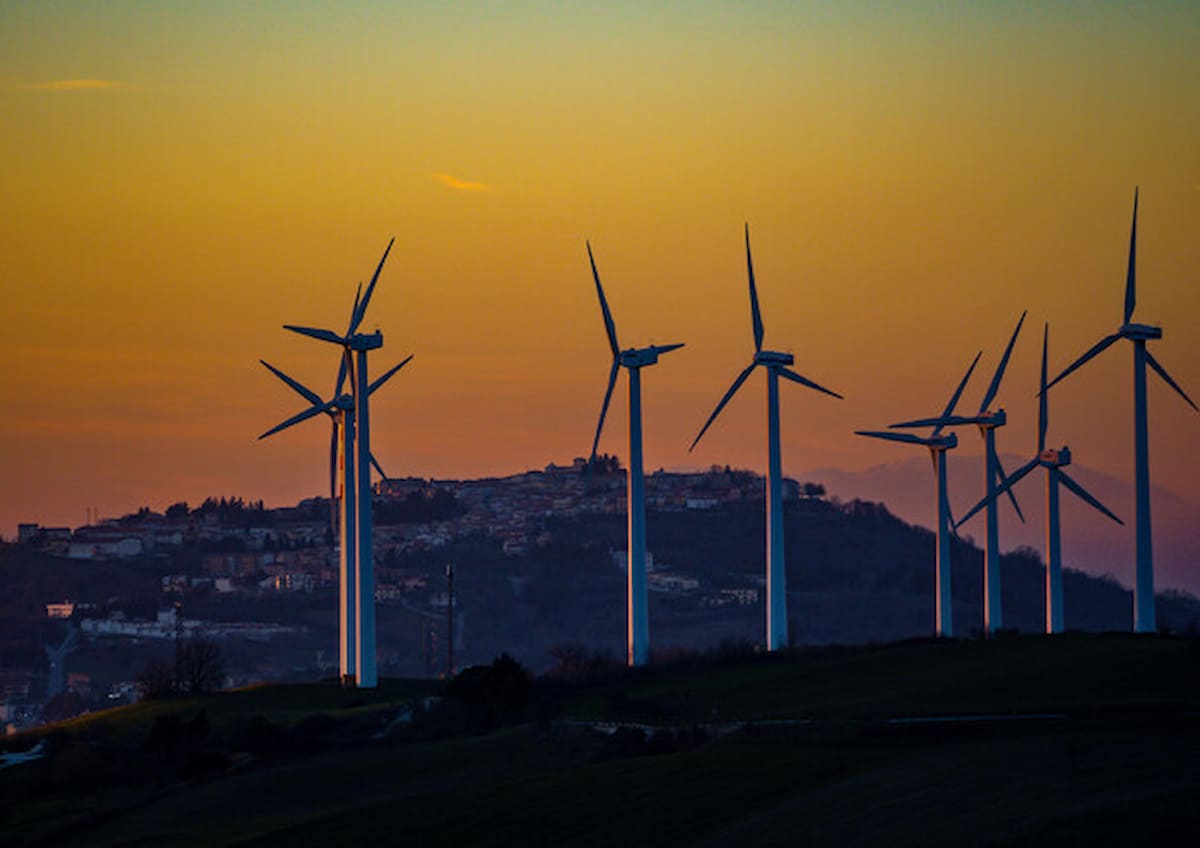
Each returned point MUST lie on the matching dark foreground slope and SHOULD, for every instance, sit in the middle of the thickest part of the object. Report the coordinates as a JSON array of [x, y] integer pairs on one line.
[[1083, 739]]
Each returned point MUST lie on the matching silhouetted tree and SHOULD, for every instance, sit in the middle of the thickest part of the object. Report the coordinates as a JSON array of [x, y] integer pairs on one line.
[[201, 667], [493, 693], [602, 464]]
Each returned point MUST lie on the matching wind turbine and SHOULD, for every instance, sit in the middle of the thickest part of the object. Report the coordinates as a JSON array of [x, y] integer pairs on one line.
[[1139, 334], [988, 422], [943, 602], [56, 672], [776, 364], [355, 346], [340, 409], [633, 360], [1053, 461]]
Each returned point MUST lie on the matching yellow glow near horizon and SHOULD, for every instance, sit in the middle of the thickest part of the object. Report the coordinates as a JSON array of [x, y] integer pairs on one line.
[[913, 178]]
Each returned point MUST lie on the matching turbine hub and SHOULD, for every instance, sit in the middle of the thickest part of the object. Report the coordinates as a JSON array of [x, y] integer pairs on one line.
[[773, 357], [345, 402]]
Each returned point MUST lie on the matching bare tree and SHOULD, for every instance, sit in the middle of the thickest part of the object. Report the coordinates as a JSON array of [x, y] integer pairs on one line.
[[201, 666]]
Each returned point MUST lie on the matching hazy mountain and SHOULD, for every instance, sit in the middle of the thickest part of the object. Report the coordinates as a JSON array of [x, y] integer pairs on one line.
[[1091, 542]]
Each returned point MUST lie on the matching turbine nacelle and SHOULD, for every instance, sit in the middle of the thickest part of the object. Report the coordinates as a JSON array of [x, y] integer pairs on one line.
[[773, 357], [1140, 332], [365, 341], [944, 443], [1051, 458], [991, 420], [636, 357]]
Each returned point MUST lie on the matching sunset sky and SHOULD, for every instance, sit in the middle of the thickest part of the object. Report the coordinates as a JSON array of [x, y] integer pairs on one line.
[[179, 180]]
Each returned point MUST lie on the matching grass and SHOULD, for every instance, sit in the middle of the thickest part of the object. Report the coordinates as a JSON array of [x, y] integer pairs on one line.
[[1124, 765], [1068, 673], [285, 705]]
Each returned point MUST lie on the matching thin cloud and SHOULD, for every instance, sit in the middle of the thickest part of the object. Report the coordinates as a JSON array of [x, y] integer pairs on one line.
[[460, 185], [70, 85]]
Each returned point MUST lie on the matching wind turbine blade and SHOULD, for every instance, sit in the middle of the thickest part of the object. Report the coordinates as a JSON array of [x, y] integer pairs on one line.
[[1131, 274], [1096, 348], [1001, 476], [343, 371], [361, 311], [1162, 372], [300, 389], [947, 421], [661, 349], [1008, 483], [378, 467], [612, 381], [387, 375], [804, 381], [1043, 398], [609, 326], [755, 312], [323, 335], [737, 384], [999, 375], [1086, 496], [907, 438], [950, 519], [296, 419], [937, 430], [354, 311]]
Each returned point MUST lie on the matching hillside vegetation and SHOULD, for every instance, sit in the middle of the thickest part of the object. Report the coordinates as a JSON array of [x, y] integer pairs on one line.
[[1013, 741]]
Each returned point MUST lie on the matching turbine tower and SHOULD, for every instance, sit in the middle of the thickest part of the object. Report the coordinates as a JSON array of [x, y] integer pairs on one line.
[[343, 491], [943, 602], [1139, 334], [988, 422], [56, 671], [776, 364], [341, 409], [1053, 461], [633, 360], [356, 456]]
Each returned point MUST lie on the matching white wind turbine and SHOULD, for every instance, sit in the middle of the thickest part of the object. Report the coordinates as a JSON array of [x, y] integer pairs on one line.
[[1139, 334], [776, 364], [340, 410], [988, 422], [632, 360], [943, 602], [1053, 461], [355, 346]]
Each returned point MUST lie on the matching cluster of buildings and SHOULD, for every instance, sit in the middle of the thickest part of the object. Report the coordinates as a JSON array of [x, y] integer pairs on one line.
[[258, 551], [514, 510], [511, 510], [294, 549]]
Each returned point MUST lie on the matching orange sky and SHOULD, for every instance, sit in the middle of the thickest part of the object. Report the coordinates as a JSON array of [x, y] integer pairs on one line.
[[179, 181]]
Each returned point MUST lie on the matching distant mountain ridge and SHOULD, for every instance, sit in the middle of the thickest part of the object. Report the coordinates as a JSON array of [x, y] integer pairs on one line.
[[1091, 542]]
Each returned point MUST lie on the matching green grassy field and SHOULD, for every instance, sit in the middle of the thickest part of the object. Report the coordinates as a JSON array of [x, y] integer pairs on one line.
[[1122, 765]]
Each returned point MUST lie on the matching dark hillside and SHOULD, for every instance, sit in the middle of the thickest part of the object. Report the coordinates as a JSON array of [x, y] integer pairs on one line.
[[1083, 738]]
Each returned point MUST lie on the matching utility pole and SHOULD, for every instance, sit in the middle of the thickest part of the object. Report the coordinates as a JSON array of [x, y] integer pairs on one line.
[[449, 620], [179, 646]]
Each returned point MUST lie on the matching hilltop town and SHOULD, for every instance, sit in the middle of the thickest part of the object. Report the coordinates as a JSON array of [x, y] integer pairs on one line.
[[246, 575]]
